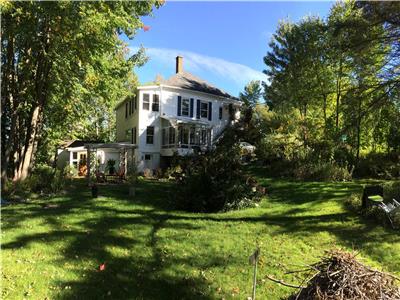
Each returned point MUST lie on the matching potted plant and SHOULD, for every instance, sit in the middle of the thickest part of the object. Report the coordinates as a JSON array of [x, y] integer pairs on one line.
[[111, 166]]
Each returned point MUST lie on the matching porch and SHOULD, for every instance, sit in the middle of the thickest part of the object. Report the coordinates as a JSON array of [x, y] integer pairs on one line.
[[184, 136], [123, 160]]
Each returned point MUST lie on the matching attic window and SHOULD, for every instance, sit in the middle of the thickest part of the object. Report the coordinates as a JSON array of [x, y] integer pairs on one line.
[[146, 101], [185, 107]]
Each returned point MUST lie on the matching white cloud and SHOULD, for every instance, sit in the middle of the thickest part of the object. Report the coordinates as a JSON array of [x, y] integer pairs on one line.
[[195, 62]]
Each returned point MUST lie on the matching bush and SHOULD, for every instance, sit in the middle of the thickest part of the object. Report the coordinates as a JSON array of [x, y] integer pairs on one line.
[[44, 179], [321, 171], [379, 165], [70, 171], [215, 181], [391, 190]]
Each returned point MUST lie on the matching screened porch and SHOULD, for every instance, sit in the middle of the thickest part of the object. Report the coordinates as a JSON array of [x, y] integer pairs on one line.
[[186, 134]]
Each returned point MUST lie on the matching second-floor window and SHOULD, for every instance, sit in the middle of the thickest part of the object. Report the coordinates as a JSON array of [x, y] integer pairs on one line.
[[146, 101], [150, 135], [220, 112], [156, 103], [185, 107], [204, 109]]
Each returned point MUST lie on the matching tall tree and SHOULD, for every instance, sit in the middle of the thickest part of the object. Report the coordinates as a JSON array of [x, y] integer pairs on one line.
[[60, 60]]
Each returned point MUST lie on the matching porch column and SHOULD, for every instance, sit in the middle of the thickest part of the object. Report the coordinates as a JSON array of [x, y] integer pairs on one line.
[[70, 158], [88, 164], [176, 137]]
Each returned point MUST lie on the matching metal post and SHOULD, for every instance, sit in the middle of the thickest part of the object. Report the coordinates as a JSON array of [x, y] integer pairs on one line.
[[254, 260], [88, 165], [125, 162]]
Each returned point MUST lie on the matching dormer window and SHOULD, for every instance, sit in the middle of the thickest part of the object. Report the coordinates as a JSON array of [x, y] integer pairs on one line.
[[185, 107]]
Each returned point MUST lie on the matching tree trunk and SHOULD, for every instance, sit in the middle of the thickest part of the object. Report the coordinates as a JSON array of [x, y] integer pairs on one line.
[[358, 130], [324, 108], [338, 94], [9, 101], [26, 158]]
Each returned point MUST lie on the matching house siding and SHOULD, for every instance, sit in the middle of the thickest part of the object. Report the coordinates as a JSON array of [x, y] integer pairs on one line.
[[168, 107]]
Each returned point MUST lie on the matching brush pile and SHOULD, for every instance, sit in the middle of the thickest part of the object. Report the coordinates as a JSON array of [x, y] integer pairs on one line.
[[340, 276]]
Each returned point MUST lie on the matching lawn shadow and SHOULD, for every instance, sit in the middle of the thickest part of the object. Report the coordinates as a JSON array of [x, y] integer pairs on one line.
[[110, 229]]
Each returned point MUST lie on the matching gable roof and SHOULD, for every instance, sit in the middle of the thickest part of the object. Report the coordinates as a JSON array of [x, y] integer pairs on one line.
[[78, 143], [186, 80]]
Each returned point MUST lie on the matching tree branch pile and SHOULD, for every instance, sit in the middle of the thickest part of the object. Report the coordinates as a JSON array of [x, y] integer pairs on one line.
[[340, 276]]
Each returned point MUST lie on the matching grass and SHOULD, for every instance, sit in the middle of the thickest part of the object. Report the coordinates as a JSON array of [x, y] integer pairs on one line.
[[152, 252]]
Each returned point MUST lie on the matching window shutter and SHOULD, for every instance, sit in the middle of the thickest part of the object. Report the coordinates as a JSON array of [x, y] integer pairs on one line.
[[198, 109], [179, 105], [136, 100], [209, 111], [191, 107]]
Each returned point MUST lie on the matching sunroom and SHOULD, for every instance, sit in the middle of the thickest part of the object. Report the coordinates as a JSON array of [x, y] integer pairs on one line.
[[184, 136]]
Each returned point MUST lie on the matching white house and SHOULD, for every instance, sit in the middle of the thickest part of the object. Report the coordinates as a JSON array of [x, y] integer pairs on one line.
[[176, 115]]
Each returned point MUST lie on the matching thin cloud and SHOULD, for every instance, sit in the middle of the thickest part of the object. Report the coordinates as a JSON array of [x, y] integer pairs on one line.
[[195, 62]]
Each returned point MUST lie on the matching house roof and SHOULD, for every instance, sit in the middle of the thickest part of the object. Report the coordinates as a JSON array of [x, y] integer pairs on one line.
[[79, 143], [186, 80]]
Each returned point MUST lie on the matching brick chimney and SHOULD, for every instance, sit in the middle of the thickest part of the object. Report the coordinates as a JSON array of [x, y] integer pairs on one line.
[[179, 64]]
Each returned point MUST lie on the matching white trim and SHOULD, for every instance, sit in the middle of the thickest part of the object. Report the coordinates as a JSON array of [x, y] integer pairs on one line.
[[225, 99]]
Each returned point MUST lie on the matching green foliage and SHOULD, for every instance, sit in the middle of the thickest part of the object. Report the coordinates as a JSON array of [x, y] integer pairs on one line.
[[252, 93], [82, 68], [70, 171], [379, 165], [391, 190], [333, 103], [215, 180], [45, 179], [321, 171]]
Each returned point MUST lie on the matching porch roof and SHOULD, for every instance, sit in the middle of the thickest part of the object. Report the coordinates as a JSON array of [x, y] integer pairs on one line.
[[183, 120], [110, 146]]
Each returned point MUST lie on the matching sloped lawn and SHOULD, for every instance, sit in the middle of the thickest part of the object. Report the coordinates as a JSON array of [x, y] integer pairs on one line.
[[151, 252]]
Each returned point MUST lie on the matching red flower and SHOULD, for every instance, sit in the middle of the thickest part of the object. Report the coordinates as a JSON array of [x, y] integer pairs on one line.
[[146, 28], [102, 267]]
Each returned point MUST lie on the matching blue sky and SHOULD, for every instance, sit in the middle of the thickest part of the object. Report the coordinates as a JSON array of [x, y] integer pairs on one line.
[[221, 42]]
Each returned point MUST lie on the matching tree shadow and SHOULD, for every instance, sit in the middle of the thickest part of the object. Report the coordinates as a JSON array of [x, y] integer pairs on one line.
[[104, 226]]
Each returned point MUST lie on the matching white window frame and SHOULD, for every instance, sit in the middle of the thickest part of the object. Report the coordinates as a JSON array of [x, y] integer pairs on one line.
[[146, 102]]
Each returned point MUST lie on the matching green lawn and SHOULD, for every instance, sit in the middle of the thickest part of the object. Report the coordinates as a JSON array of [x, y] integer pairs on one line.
[[152, 252]]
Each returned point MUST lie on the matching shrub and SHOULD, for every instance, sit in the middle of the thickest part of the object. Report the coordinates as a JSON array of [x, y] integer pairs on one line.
[[70, 171], [215, 181], [353, 202], [321, 171], [45, 179], [391, 190], [379, 165]]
